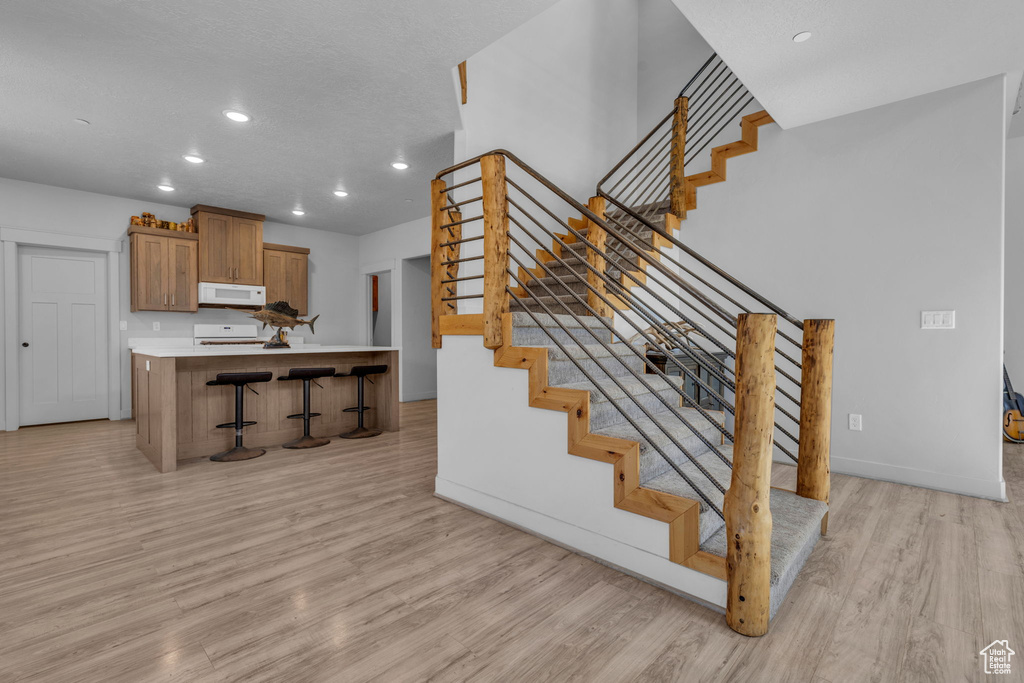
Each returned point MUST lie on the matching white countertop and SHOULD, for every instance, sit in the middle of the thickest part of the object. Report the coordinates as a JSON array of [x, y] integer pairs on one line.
[[206, 351]]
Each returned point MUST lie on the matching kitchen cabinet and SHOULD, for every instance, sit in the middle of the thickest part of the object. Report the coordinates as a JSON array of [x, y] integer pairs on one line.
[[164, 270], [230, 245], [286, 275]]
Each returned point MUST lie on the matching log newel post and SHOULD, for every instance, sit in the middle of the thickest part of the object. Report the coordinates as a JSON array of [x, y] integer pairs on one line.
[[677, 174], [438, 199], [748, 518], [813, 469], [597, 236], [495, 205]]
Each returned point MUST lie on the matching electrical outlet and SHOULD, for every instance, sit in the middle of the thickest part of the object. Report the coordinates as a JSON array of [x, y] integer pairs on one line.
[[124, 325], [156, 327], [938, 320], [856, 422]]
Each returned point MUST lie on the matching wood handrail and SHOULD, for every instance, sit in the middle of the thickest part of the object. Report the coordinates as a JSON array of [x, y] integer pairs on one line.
[[495, 201], [748, 517], [813, 467]]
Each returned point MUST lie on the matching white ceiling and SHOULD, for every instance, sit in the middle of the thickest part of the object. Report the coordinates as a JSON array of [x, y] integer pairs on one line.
[[862, 54], [338, 89]]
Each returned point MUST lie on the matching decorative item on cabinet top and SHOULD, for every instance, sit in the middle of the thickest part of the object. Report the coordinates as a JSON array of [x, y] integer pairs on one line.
[[148, 220]]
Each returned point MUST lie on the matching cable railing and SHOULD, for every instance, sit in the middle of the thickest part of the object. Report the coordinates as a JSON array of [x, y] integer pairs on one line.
[[650, 190], [522, 254]]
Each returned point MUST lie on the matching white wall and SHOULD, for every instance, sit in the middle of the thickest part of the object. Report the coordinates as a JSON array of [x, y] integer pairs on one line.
[[670, 52], [386, 250], [559, 92], [527, 478], [419, 358], [333, 262], [869, 219], [1014, 333]]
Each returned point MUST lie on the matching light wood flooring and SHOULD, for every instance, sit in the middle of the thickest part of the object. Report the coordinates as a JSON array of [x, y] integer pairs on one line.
[[338, 564]]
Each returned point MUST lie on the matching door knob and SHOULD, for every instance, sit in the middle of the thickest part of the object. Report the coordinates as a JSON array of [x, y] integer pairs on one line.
[[25, 344]]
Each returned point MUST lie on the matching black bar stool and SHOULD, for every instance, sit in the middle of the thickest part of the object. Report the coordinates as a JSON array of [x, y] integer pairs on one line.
[[360, 372], [240, 380], [307, 375]]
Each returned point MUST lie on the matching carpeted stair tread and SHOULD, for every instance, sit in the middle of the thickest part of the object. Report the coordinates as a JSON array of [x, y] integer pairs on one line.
[[632, 399], [650, 435], [671, 482], [796, 528], [561, 305], [520, 319]]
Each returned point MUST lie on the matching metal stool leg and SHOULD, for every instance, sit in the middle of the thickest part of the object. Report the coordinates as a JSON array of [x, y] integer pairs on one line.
[[239, 452], [306, 441], [360, 432]]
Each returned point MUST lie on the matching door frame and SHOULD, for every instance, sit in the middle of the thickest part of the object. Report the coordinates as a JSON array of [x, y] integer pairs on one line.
[[388, 266], [11, 240]]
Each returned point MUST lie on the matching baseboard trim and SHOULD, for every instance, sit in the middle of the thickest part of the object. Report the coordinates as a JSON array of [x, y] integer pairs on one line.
[[659, 571], [967, 486], [126, 414]]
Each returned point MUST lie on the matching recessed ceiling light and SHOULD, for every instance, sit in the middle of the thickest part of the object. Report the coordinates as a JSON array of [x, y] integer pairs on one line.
[[801, 37], [340, 193], [166, 188], [193, 159], [298, 212], [82, 121], [400, 165], [236, 115]]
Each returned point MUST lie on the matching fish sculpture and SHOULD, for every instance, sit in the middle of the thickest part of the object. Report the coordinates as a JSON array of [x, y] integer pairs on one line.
[[279, 314]]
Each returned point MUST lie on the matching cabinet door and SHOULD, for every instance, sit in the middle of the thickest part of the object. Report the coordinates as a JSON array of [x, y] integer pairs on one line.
[[286, 278], [297, 281], [182, 275], [274, 275], [149, 271], [216, 247], [248, 251]]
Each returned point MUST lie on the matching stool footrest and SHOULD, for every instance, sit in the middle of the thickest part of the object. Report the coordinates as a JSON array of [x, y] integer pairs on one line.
[[231, 425], [356, 409], [299, 416]]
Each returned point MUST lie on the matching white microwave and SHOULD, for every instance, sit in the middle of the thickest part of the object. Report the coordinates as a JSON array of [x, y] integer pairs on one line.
[[232, 295]]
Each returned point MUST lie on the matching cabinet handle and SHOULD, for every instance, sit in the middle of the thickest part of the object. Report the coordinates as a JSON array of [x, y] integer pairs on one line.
[[165, 299], [172, 300]]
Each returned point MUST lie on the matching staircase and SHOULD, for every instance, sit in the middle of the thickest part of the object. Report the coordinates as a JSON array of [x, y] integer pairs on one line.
[[796, 520], [587, 305]]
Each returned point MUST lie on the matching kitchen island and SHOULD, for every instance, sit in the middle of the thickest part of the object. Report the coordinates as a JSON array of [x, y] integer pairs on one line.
[[176, 413]]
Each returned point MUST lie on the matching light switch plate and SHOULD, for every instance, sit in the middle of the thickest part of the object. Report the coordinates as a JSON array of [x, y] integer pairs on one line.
[[938, 320]]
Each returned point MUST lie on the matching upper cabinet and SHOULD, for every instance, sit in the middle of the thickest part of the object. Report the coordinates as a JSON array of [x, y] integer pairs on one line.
[[164, 270], [230, 245], [286, 275]]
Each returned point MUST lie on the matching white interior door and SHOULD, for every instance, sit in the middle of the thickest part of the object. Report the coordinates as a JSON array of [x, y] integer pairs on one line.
[[63, 335]]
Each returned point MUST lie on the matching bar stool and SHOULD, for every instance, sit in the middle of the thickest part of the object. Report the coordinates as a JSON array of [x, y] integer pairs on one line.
[[240, 380], [360, 372], [307, 375]]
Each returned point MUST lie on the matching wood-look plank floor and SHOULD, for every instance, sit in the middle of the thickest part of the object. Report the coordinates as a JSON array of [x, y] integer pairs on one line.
[[338, 564]]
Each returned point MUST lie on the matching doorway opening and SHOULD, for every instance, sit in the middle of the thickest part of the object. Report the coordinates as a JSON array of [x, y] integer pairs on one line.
[[379, 288], [419, 357]]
